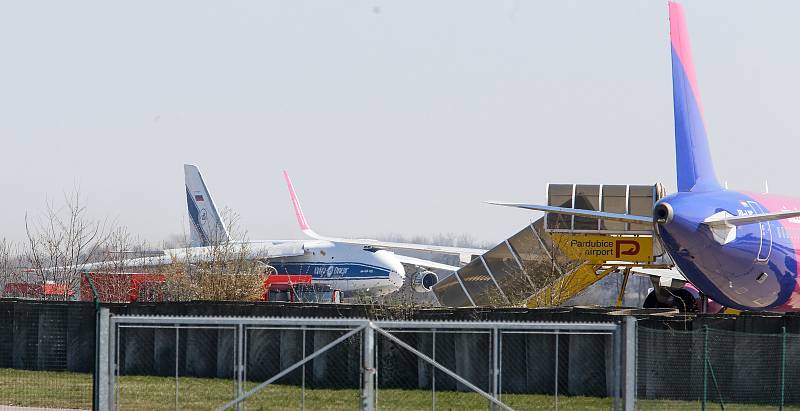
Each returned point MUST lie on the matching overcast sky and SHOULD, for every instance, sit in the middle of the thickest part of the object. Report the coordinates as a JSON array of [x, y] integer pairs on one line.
[[391, 116]]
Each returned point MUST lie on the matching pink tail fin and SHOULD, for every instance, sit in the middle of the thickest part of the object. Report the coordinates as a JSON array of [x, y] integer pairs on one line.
[[298, 211]]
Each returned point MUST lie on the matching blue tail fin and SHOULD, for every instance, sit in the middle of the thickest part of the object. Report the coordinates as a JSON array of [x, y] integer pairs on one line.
[[207, 228], [692, 156]]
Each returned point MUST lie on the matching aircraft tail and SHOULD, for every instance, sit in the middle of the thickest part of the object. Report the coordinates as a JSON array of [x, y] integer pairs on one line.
[[692, 156], [207, 227], [298, 211]]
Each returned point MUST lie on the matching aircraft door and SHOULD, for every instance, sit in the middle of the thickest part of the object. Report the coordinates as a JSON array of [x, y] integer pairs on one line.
[[765, 229]]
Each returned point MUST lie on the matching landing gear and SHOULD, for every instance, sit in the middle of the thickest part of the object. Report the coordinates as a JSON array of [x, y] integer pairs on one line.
[[703, 303]]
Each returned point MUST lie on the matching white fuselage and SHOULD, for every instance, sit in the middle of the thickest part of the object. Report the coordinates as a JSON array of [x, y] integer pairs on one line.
[[346, 267]]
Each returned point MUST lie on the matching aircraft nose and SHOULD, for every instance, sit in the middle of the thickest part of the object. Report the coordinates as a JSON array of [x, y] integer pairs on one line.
[[397, 273]]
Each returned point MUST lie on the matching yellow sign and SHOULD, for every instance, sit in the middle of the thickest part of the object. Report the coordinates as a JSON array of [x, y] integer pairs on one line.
[[601, 248]]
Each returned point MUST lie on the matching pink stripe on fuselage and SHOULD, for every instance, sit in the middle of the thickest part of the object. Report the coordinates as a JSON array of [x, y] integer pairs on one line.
[[775, 203], [679, 37]]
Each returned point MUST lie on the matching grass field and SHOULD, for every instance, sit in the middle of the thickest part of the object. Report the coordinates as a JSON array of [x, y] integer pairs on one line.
[[74, 390]]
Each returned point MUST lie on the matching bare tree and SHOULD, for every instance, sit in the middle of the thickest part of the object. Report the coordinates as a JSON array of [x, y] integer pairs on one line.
[[62, 240], [119, 246], [229, 270], [9, 263], [112, 282], [554, 274]]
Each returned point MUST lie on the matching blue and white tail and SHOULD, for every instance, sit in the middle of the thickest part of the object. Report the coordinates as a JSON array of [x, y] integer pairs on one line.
[[207, 227], [692, 156]]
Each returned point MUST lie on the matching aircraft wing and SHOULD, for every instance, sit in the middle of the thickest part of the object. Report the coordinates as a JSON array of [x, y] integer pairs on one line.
[[625, 218], [407, 246], [195, 255], [425, 263]]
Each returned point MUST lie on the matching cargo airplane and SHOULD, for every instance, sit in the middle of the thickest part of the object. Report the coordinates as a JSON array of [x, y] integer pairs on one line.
[[350, 265], [739, 248]]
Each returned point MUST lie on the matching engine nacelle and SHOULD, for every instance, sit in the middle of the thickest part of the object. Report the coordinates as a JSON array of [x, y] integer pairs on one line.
[[684, 299], [423, 281]]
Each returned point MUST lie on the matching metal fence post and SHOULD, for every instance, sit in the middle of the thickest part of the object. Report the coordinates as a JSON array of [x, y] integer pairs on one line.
[[783, 366], [240, 363], [102, 362], [303, 377], [705, 366], [95, 382], [113, 361], [368, 360], [555, 389], [495, 366], [177, 367], [617, 365], [629, 364], [433, 370]]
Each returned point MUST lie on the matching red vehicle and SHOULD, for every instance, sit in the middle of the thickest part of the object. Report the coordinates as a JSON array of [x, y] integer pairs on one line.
[[47, 291], [298, 289], [123, 287]]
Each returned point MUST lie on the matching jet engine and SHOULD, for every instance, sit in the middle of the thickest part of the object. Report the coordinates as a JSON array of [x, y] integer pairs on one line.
[[423, 281], [684, 299]]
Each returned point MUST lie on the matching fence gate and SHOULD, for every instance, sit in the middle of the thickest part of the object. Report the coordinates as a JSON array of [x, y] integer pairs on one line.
[[154, 362]]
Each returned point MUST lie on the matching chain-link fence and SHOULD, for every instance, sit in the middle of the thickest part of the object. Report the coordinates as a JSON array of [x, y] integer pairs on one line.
[[281, 363], [717, 369], [332, 364], [46, 357]]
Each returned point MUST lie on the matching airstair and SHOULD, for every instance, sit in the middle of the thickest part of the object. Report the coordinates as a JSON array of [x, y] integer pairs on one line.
[[558, 257]]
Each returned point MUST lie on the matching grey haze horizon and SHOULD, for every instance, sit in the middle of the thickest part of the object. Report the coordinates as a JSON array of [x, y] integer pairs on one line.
[[392, 118]]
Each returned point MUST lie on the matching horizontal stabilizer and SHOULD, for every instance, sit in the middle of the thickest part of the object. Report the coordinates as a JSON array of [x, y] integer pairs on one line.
[[722, 219], [625, 218]]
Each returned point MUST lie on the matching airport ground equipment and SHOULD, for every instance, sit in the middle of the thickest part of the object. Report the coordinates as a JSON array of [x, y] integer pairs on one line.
[[558, 257], [602, 246]]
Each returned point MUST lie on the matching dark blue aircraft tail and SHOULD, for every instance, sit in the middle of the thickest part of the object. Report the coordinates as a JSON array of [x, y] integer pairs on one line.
[[693, 159]]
